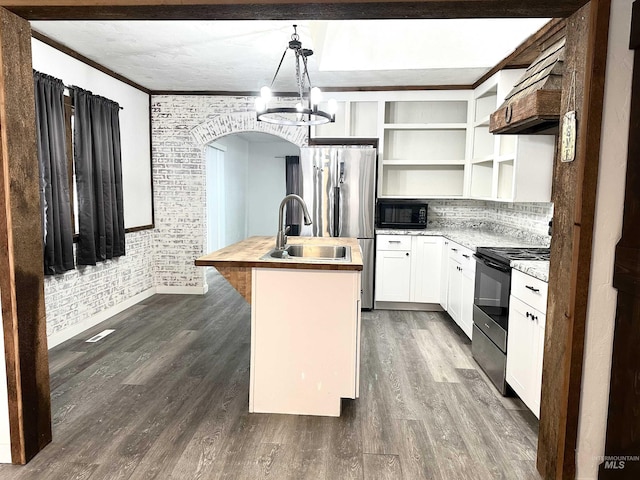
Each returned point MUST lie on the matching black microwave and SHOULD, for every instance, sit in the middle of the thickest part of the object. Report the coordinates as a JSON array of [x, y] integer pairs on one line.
[[404, 214]]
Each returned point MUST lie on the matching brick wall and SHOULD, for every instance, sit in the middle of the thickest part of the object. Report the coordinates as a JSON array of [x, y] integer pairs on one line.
[[78, 295], [182, 126]]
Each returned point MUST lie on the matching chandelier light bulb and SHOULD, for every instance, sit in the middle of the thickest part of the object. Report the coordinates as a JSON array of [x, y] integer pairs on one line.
[[265, 93], [261, 105], [332, 106], [315, 96]]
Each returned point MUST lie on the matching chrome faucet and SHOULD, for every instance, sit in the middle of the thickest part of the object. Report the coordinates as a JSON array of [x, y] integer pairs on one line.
[[281, 238]]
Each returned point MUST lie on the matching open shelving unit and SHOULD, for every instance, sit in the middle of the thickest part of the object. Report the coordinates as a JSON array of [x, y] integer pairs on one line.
[[424, 146]]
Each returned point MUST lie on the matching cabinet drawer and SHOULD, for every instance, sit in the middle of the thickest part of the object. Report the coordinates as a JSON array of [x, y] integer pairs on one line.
[[530, 290], [393, 242]]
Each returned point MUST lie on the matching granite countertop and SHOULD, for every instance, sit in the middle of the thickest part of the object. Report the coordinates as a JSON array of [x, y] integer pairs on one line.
[[471, 238], [538, 269], [248, 253]]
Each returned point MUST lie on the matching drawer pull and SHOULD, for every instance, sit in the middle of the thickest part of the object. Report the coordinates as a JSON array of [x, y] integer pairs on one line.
[[395, 241], [533, 289], [466, 256], [454, 249], [487, 325]]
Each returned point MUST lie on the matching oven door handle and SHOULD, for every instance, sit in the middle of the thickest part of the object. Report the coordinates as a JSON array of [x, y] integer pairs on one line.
[[491, 264]]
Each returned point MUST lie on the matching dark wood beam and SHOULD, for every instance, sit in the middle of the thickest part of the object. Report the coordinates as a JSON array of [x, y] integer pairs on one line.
[[286, 9], [529, 50], [574, 197], [21, 262]]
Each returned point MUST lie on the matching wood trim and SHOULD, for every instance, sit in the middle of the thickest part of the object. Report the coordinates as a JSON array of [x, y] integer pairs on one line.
[[139, 229], [21, 262], [574, 196], [623, 422], [286, 9], [244, 93], [220, 93], [81, 58], [530, 48], [343, 141]]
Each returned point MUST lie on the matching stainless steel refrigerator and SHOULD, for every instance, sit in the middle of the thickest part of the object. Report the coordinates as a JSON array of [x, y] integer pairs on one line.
[[338, 186]]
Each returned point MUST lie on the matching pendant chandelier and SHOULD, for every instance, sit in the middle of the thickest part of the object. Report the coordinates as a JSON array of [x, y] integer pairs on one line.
[[306, 111]]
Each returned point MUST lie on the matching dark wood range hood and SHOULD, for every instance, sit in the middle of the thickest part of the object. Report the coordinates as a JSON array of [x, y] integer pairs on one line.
[[533, 106]]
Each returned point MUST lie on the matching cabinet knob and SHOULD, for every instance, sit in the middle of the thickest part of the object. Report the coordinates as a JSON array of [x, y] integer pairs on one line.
[[407, 254]]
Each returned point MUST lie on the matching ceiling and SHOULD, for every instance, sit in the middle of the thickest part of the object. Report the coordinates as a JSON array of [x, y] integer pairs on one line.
[[243, 55]]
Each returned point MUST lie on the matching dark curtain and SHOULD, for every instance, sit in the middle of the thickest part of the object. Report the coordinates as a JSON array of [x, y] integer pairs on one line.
[[98, 178], [293, 179], [54, 181]]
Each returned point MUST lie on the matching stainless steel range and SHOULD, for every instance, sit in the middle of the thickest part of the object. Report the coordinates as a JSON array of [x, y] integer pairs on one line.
[[491, 307]]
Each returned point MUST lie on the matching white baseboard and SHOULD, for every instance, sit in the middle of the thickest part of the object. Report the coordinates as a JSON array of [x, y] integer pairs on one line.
[[70, 332], [168, 290]]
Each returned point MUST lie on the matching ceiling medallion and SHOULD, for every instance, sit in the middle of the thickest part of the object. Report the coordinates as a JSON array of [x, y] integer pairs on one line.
[[299, 115]]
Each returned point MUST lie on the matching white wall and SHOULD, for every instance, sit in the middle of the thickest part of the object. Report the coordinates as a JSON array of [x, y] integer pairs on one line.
[[134, 124], [607, 231], [236, 160], [267, 186]]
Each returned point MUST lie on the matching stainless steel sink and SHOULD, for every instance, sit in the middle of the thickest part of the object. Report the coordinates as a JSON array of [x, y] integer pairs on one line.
[[312, 252]]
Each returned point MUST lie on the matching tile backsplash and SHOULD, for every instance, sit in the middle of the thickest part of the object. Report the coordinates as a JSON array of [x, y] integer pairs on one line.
[[516, 219]]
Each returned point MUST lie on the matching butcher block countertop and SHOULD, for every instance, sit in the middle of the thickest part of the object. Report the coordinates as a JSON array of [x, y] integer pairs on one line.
[[236, 261], [248, 253]]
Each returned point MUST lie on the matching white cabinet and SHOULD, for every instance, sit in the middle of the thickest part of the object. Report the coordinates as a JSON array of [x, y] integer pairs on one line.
[[513, 168], [408, 268], [461, 286], [353, 119], [525, 342], [424, 145], [444, 273], [468, 289], [425, 271], [454, 297], [393, 268]]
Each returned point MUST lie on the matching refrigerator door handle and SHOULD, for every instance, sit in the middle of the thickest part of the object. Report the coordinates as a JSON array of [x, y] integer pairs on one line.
[[337, 227]]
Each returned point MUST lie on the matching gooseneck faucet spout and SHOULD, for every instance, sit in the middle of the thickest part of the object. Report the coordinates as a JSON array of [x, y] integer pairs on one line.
[[281, 237]]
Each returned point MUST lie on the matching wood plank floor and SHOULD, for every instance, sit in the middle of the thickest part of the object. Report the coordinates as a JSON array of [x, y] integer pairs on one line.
[[166, 397]]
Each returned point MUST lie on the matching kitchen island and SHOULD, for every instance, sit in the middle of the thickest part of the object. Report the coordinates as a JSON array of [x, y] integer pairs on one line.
[[305, 323]]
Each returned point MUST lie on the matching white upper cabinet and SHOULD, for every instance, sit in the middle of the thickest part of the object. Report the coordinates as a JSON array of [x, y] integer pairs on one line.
[[511, 168], [354, 119], [436, 143]]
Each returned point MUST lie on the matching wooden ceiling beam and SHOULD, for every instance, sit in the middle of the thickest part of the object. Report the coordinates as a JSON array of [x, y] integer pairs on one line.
[[530, 49], [286, 9]]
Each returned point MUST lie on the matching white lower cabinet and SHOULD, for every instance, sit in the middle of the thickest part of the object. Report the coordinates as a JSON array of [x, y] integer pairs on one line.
[[460, 286], [393, 276], [408, 268], [444, 273], [425, 269], [454, 297], [525, 342]]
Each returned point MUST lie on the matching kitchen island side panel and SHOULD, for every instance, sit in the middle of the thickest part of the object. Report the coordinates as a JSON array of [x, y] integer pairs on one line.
[[304, 340]]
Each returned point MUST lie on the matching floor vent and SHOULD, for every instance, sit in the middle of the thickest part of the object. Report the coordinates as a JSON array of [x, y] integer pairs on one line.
[[100, 336]]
